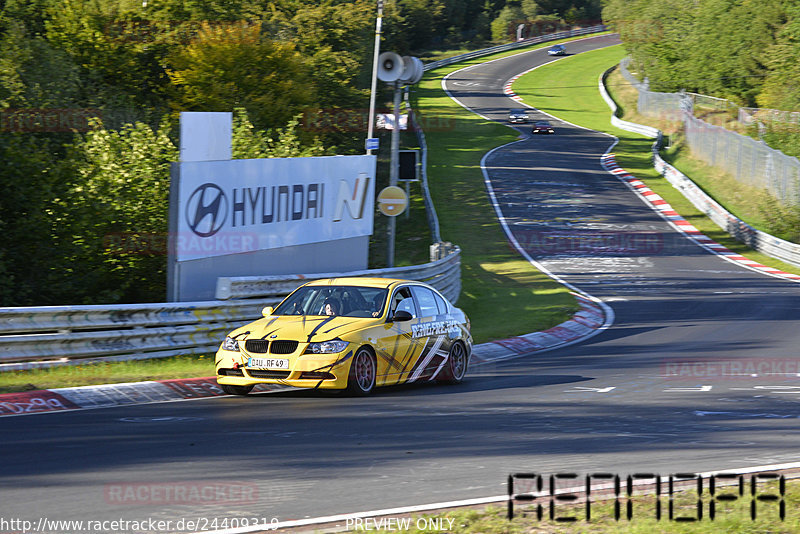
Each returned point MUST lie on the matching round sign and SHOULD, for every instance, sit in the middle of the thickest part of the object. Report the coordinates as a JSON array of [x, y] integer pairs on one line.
[[392, 201]]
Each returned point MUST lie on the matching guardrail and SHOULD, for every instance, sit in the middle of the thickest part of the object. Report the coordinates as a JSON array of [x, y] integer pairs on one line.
[[511, 46], [54, 335], [444, 274], [741, 231], [58, 334]]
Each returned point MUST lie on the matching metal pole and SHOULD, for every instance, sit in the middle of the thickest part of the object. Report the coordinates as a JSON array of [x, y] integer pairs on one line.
[[371, 118], [393, 168]]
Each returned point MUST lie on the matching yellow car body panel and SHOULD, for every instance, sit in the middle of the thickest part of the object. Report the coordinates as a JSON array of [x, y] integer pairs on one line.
[[404, 350]]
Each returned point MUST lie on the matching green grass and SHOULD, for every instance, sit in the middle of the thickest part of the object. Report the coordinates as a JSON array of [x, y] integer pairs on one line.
[[557, 88], [107, 373]]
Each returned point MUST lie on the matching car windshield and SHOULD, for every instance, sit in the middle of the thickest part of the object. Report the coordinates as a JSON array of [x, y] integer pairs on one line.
[[348, 301], [542, 123], [517, 112]]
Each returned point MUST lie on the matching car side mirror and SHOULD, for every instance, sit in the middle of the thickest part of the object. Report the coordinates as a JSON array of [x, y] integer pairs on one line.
[[266, 311], [402, 315]]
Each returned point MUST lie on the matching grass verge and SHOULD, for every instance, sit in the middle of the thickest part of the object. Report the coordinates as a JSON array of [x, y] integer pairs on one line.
[[556, 87], [65, 376]]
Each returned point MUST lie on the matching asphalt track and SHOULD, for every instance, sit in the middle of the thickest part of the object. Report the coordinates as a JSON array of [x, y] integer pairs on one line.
[[607, 405]]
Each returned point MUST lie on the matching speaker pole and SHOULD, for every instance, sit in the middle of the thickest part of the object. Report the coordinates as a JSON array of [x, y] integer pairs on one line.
[[371, 118], [394, 165]]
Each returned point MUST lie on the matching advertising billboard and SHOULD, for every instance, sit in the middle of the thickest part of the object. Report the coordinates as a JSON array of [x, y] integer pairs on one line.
[[255, 217], [239, 206]]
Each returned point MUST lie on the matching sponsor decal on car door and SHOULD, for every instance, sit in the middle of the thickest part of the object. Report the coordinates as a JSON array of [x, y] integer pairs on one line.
[[398, 349]]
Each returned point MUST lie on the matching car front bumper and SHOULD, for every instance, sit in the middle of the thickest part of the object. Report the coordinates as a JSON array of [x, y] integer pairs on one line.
[[323, 371]]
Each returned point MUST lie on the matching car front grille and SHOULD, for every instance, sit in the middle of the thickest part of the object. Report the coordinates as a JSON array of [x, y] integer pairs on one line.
[[258, 373], [256, 346], [262, 346], [283, 346], [230, 372]]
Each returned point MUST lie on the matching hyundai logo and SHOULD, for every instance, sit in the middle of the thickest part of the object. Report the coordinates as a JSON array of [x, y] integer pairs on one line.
[[206, 210]]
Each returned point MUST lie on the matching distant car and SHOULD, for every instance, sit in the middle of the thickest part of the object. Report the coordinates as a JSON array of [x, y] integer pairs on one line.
[[518, 116], [542, 127], [557, 50], [349, 333]]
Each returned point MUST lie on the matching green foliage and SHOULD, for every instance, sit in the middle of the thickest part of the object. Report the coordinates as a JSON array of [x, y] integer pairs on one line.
[[742, 50], [783, 136], [117, 213], [250, 143], [780, 220], [32, 181], [505, 23], [542, 16], [235, 66], [783, 62]]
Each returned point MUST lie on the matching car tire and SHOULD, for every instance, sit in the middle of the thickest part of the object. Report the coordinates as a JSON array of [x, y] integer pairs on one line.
[[363, 371], [456, 366], [236, 390]]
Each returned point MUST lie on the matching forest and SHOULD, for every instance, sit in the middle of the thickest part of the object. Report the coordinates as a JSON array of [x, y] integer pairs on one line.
[[744, 50]]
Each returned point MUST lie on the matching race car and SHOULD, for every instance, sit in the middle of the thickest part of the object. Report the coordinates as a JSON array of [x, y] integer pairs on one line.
[[518, 116], [542, 127], [353, 334]]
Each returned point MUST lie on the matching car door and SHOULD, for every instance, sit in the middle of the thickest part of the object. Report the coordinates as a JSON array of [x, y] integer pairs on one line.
[[397, 350], [432, 331]]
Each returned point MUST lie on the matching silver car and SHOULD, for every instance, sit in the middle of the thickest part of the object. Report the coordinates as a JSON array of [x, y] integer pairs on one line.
[[518, 116]]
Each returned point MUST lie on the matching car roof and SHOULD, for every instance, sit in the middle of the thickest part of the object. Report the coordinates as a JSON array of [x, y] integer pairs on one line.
[[359, 282], [557, 46], [517, 110]]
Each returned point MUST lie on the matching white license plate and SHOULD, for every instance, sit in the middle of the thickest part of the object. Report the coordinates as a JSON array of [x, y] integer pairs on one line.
[[268, 363]]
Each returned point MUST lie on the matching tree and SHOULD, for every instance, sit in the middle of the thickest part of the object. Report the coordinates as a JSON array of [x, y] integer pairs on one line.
[[783, 63], [116, 213], [231, 66], [503, 26], [250, 143], [35, 176]]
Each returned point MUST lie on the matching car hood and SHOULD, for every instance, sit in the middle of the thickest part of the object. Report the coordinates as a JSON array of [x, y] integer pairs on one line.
[[303, 328]]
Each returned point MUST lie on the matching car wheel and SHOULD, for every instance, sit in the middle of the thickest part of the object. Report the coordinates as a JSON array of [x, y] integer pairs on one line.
[[456, 366], [363, 369], [236, 390]]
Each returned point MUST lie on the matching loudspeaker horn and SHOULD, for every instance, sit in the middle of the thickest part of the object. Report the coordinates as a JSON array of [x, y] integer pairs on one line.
[[412, 70], [390, 67]]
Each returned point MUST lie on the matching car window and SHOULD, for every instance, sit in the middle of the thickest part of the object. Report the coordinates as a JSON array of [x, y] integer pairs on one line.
[[350, 301], [426, 301], [402, 300], [440, 302]]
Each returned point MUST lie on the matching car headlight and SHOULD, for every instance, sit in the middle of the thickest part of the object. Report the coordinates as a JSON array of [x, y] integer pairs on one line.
[[327, 347], [230, 344]]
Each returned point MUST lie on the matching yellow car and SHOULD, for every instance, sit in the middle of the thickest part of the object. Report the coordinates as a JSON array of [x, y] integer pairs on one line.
[[349, 333]]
